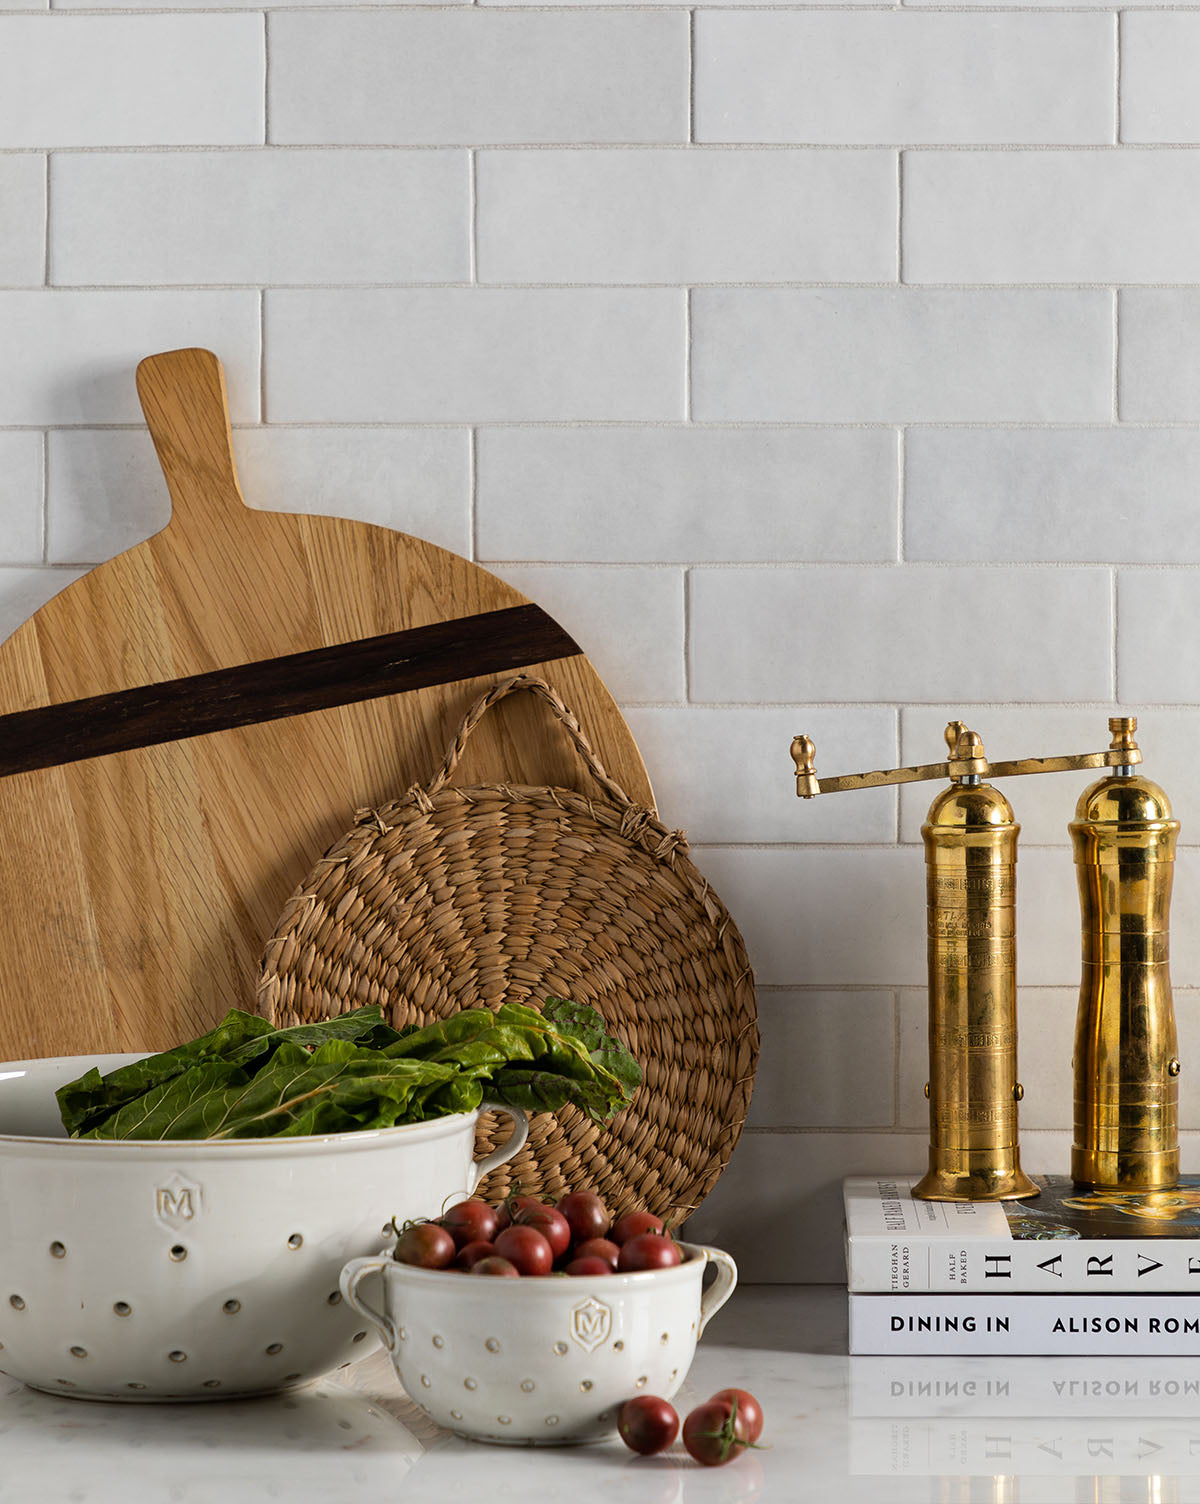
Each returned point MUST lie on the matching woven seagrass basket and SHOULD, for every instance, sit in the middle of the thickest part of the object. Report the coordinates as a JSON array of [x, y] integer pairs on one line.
[[453, 898]]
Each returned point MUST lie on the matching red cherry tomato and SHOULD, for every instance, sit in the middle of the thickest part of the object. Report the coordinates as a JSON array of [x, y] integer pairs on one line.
[[497, 1266], [588, 1265], [634, 1225], [713, 1434], [426, 1245], [649, 1250], [470, 1254], [598, 1248], [526, 1248], [748, 1409], [587, 1216], [507, 1211], [552, 1225], [471, 1222], [647, 1424]]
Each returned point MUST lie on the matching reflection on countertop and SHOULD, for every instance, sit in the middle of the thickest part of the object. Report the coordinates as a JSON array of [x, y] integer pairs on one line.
[[840, 1431]]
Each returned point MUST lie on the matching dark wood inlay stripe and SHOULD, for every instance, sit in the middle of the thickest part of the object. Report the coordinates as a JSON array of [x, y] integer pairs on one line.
[[270, 690]]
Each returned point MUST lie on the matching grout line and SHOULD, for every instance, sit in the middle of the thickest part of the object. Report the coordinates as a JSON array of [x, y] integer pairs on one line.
[[691, 103], [1120, 20], [266, 78], [473, 215]]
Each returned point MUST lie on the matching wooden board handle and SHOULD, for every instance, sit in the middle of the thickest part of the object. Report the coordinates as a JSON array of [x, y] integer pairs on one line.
[[182, 393]]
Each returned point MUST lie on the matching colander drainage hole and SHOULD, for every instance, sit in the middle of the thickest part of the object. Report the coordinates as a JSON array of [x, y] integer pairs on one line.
[[275, 1347], [178, 1253], [290, 1378], [135, 1386], [123, 1308], [16, 1302], [232, 1307], [178, 1356], [359, 1336], [334, 1299], [58, 1250], [79, 1352], [211, 1384], [295, 1241]]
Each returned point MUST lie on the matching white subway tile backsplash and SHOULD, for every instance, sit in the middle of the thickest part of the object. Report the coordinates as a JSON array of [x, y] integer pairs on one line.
[[807, 1077], [616, 495], [1054, 495], [472, 76], [474, 355], [21, 488], [726, 775], [1047, 216], [874, 355], [185, 80], [260, 216], [687, 216], [628, 621], [1160, 53], [870, 77], [104, 493], [69, 357], [22, 220], [1158, 638], [1159, 374], [795, 635], [24, 591]]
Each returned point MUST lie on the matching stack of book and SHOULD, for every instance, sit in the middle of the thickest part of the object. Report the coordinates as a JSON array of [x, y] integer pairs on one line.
[[1070, 1272]]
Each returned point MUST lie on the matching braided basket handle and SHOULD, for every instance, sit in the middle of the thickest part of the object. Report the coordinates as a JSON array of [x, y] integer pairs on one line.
[[564, 716]]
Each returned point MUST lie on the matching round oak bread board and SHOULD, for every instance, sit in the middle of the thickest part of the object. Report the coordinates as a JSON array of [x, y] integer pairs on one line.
[[187, 727]]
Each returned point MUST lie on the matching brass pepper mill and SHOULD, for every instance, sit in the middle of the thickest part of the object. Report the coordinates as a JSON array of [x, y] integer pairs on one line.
[[970, 840], [1126, 1056]]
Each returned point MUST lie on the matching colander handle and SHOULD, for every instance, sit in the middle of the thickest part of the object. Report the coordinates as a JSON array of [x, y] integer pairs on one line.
[[351, 1276], [506, 1150], [721, 1288]]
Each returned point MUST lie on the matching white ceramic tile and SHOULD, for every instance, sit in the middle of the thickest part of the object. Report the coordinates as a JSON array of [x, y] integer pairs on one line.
[[904, 76], [1160, 53], [685, 494], [21, 488], [474, 354], [1158, 636], [1046, 216], [416, 480], [824, 916], [863, 634], [629, 622], [1044, 804], [260, 216], [69, 357], [22, 220], [790, 1186], [1085, 495], [24, 591], [727, 775], [474, 77], [106, 491], [187, 80], [874, 355], [1159, 371], [826, 1060], [687, 216]]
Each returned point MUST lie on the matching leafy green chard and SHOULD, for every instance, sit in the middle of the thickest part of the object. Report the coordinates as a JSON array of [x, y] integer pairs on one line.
[[248, 1079]]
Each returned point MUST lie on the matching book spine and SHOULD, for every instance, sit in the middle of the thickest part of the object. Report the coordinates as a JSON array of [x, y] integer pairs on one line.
[[985, 1266], [1075, 1325]]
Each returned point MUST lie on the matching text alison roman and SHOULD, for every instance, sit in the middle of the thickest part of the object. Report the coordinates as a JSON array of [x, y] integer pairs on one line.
[[1166, 1325]]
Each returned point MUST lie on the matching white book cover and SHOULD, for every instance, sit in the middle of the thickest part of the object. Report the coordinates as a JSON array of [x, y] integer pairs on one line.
[[1081, 1325], [1062, 1240]]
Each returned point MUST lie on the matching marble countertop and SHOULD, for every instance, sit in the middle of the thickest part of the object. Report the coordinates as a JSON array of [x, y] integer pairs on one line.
[[840, 1431]]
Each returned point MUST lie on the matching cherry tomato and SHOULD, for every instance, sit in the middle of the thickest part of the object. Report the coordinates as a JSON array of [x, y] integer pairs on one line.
[[589, 1264], [587, 1216], [634, 1224], [552, 1225], [495, 1265], [713, 1434], [471, 1222], [649, 1250], [748, 1409], [470, 1254], [426, 1245], [647, 1424], [599, 1248], [506, 1213], [526, 1248]]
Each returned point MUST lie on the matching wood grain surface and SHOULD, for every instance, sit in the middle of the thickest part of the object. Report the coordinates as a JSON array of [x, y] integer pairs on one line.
[[178, 779]]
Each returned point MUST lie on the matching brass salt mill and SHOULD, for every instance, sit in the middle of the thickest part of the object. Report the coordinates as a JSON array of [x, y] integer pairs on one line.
[[970, 838]]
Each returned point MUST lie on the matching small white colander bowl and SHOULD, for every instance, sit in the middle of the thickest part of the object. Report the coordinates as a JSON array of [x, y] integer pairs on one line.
[[189, 1269]]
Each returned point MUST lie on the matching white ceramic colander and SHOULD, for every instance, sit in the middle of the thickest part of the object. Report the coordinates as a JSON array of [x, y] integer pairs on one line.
[[183, 1270]]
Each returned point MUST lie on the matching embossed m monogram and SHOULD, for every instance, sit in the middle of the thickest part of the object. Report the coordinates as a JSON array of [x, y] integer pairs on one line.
[[591, 1322], [175, 1206]]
